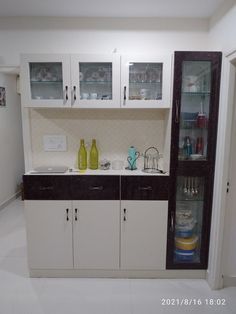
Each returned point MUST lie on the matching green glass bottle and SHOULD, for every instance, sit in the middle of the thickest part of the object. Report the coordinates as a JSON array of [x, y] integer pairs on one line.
[[93, 157], [82, 156]]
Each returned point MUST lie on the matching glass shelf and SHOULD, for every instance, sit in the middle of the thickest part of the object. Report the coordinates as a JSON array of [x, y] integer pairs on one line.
[[45, 82], [196, 93], [194, 128], [147, 83], [96, 82], [189, 200]]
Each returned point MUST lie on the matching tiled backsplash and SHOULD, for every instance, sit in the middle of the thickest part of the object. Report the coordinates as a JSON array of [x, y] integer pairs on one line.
[[114, 129]]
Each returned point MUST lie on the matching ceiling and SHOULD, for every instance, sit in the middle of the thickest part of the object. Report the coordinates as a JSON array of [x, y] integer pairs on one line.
[[112, 8]]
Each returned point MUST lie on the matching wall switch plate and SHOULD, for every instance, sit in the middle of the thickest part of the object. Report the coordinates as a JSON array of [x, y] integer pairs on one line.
[[54, 143]]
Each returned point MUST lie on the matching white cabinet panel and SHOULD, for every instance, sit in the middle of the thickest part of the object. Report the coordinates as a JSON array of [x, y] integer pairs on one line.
[[143, 234], [96, 234], [49, 234]]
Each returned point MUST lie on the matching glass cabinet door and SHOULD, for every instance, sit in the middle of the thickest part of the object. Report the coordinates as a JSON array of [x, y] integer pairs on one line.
[[46, 80], [194, 112], [145, 82], [95, 81], [193, 147], [188, 219]]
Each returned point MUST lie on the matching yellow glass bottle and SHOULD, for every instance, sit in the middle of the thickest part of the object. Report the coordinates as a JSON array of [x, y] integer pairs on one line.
[[82, 156], [93, 156]]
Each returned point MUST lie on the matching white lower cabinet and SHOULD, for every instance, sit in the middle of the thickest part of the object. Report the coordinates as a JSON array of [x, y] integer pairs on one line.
[[49, 234], [96, 232], [73, 234], [143, 235]]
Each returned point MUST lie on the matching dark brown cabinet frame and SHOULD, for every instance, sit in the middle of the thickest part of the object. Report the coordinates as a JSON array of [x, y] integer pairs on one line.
[[193, 168]]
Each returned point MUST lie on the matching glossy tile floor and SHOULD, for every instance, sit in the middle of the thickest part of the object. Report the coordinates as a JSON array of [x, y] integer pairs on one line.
[[20, 294]]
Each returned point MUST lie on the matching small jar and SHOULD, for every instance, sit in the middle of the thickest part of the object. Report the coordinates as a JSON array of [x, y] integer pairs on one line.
[[201, 120]]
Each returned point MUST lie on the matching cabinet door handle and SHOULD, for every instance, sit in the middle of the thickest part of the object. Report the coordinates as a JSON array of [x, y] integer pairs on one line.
[[172, 222], [145, 188], [76, 215], [67, 214], [177, 111], [124, 95], [66, 87], [74, 89], [96, 188], [124, 217]]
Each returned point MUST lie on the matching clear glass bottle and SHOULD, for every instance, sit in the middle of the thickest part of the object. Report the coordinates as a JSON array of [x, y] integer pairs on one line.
[[82, 156], [93, 157]]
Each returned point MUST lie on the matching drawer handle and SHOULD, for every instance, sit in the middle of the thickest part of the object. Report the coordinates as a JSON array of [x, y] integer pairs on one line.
[[145, 188], [45, 188], [67, 214], [76, 216], [96, 188]]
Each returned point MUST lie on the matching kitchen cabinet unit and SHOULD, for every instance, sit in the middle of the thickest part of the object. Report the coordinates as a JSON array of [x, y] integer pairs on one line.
[[72, 234], [193, 146], [144, 209], [93, 81], [83, 81], [49, 234], [105, 223], [145, 81]]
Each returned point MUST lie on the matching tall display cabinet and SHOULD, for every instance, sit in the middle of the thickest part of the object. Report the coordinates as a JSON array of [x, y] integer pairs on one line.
[[193, 147]]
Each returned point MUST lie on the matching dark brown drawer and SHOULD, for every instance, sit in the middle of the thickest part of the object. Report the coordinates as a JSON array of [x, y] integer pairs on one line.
[[46, 187], [95, 188], [144, 187]]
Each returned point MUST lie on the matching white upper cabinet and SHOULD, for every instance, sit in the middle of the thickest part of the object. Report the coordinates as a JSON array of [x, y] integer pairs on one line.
[[145, 81], [95, 81], [45, 80]]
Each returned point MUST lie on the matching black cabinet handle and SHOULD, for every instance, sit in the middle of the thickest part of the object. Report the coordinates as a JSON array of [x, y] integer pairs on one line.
[[76, 211], [67, 214], [177, 111], [145, 188], [96, 188], [124, 218], [45, 188], [172, 222], [66, 87], [124, 95], [74, 89]]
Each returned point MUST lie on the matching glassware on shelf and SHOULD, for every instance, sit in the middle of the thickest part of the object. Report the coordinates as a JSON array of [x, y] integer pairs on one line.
[[95, 80], [145, 81], [46, 80]]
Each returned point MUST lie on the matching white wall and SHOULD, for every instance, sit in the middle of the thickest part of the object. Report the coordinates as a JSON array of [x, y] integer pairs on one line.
[[11, 150], [222, 31], [55, 35]]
